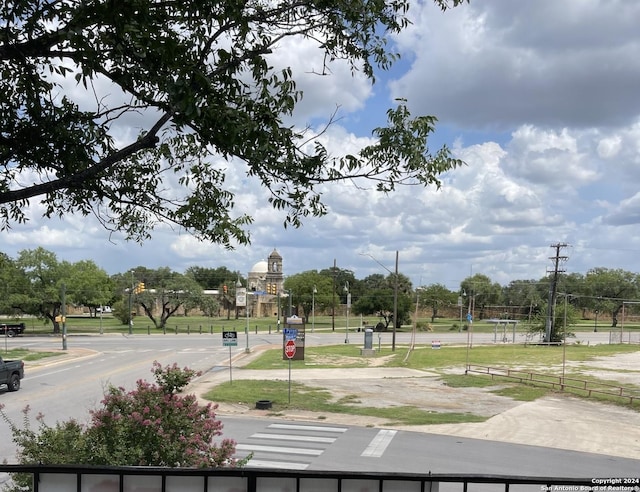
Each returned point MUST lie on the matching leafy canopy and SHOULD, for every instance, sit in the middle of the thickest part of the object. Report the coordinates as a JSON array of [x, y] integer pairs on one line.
[[132, 110]]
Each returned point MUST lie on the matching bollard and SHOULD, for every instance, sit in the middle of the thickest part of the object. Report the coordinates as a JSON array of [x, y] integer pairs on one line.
[[200, 330], [148, 329], [176, 329], [256, 329]]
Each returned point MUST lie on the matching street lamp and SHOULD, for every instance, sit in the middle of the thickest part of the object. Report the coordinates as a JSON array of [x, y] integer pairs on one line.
[[313, 308], [395, 296], [346, 289]]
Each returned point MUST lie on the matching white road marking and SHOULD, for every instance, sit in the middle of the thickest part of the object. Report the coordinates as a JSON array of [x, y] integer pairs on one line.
[[280, 449], [287, 437], [378, 444], [308, 428], [285, 465]]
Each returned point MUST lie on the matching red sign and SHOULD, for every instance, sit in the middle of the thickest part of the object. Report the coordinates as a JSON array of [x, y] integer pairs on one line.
[[290, 348]]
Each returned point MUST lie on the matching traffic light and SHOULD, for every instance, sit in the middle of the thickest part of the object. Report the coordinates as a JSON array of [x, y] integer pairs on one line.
[[140, 287]]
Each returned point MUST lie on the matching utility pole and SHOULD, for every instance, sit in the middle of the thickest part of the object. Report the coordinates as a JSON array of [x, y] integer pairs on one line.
[[553, 288]]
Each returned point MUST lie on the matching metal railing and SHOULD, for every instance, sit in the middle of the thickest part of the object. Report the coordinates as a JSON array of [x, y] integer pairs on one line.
[[49, 478], [582, 387]]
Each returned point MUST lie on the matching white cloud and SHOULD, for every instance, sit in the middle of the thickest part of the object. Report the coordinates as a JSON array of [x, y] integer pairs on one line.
[[557, 79], [498, 64]]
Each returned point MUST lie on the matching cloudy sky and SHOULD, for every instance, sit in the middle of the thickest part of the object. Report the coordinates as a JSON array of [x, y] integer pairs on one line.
[[540, 98]]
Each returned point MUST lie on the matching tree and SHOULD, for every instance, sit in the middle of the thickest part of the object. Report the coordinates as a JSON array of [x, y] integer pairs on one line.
[[152, 425], [482, 292], [213, 278], [46, 279], [380, 303], [434, 296], [524, 296], [14, 282], [561, 322], [302, 287], [608, 288], [165, 293], [90, 285], [200, 82]]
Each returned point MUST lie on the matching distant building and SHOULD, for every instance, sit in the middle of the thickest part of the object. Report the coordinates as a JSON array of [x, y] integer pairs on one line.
[[265, 284]]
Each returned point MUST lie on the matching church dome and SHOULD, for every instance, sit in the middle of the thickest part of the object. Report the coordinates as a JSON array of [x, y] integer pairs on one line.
[[260, 267]]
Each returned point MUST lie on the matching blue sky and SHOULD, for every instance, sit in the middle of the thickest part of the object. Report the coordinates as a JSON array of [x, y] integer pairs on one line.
[[538, 97]]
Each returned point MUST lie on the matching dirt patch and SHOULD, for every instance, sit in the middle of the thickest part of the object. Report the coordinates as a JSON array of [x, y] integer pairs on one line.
[[427, 393], [336, 361]]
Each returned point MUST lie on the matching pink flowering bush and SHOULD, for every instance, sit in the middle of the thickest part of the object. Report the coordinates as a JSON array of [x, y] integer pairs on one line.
[[152, 425]]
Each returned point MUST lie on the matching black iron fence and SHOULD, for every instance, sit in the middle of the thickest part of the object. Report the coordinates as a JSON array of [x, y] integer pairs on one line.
[[64, 478]]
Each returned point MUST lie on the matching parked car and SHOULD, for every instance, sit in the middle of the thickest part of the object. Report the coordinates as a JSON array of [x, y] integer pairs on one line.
[[103, 309], [11, 372]]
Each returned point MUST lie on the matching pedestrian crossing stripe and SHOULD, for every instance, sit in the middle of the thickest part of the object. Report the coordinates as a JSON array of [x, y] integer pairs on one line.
[[317, 428], [378, 444], [279, 449], [289, 437]]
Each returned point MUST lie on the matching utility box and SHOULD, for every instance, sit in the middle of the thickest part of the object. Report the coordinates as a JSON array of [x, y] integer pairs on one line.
[[368, 350], [368, 338]]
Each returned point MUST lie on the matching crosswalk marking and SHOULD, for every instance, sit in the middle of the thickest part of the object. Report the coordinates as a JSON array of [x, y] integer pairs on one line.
[[285, 465], [378, 444], [288, 437], [320, 436], [308, 428], [280, 449]]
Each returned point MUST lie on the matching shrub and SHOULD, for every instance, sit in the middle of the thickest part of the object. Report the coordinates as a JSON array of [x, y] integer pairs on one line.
[[152, 425]]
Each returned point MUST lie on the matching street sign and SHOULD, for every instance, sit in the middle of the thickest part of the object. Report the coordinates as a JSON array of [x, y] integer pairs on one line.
[[229, 338], [290, 333], [290, 349]]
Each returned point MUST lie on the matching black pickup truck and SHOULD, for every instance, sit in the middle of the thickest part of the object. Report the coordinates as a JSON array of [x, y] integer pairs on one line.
[[11, 329], [11, 372]]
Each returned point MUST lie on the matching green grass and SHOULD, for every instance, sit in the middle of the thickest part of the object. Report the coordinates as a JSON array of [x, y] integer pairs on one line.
[[539, 359], [424, 358], [27, 355], [318, 400]]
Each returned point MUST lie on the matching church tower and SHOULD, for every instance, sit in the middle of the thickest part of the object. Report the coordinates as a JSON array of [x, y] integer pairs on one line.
[[275, 277]]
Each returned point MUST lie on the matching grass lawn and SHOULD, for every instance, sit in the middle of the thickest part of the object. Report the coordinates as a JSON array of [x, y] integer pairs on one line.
[[303, 397], [533, 358]]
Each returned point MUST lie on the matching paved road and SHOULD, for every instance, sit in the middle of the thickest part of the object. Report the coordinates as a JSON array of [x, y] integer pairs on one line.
[[71, 387]]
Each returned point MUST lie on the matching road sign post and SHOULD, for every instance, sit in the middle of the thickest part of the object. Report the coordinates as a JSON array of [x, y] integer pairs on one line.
[[230, 339], [290, 352]]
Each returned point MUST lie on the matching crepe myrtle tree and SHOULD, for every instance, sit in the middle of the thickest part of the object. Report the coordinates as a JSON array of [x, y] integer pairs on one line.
[[128, 110], [151, 425]]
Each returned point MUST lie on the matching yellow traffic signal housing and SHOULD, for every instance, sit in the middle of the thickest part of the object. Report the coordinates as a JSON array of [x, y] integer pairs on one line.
[[140, 287]]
